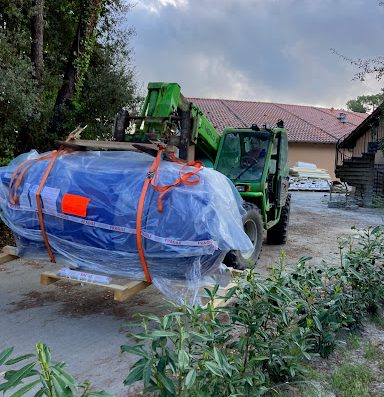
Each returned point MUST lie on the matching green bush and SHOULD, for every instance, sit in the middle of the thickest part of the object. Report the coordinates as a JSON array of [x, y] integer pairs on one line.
[[41, 376], [264, 338]]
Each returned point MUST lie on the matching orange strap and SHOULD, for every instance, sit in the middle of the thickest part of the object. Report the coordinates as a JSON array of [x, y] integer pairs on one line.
[[150, 179], [184, 179], [16, 180], [139, 216]]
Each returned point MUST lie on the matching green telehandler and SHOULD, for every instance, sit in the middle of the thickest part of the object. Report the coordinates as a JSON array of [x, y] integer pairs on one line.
[[254, 158]]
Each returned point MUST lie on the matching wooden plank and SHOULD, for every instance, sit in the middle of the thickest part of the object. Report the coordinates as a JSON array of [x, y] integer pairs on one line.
[[4, 258], [130, 289], [84, 144], [10, 250], [8, 254], [121, 292], [47, 278]]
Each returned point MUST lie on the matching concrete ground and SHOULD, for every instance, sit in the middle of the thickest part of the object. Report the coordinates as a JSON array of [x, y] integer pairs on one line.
[[84, 327]]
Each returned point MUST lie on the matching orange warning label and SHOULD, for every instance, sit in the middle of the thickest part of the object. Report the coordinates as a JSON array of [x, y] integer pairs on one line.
[[74, 205]]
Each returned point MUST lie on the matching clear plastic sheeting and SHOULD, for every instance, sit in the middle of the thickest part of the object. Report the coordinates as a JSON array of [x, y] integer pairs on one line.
[[90, 202]]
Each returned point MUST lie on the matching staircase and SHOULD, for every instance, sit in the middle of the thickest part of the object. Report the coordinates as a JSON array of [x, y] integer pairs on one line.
[[359, 172]]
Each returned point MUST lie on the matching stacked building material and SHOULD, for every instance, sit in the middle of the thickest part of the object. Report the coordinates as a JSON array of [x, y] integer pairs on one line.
[[306, 176]]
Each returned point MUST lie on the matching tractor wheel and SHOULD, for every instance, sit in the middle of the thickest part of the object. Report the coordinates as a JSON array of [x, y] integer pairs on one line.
[[253, 227], [277, 234]]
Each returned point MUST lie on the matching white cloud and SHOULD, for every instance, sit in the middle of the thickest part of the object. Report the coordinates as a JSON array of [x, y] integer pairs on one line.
[[155, 6], [270, 50]]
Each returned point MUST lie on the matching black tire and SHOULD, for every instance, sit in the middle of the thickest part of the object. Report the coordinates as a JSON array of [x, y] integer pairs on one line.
[[253, 227], [121, 123], [277, 234]]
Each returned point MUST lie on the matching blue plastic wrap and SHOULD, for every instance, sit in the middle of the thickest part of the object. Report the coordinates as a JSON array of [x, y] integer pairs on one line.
[[185, 242]]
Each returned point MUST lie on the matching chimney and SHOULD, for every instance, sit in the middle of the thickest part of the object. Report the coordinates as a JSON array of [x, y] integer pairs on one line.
[[342, 117]]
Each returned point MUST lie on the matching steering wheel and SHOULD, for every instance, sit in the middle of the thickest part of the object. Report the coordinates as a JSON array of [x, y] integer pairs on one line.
[[247, 161]]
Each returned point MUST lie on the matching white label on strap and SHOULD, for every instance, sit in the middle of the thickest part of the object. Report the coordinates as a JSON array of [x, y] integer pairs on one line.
[[49, 196]]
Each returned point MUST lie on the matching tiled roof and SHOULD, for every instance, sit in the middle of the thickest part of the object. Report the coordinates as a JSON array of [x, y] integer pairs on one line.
[[304, 123]]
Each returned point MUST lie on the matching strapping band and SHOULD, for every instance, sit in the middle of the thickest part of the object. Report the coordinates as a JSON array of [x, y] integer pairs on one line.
[[16, 180], [139, 217], [184, 178]]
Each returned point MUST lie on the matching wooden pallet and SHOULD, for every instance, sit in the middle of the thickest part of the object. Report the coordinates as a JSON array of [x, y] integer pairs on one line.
[[121, 292]]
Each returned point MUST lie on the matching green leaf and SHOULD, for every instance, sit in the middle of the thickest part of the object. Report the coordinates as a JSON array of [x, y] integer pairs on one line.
[[213, 367], [134, 376], [318, 323], [167, 382], [18, 359], [137, 350], [260, 358], [190, 378], [215, 289], [65, 377], [58, 386], [231, 292], [209, 293], [25, 389], [218, 357], [5, 354], [151, 316], [147, 373], [40, 393], [161, 333], [183, 358], [17, 377]]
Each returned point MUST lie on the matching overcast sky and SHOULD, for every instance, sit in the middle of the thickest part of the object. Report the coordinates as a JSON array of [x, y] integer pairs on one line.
[[261, 50]]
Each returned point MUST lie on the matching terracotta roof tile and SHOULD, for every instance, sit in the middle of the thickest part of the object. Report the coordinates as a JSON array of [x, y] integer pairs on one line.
[[303, 123]]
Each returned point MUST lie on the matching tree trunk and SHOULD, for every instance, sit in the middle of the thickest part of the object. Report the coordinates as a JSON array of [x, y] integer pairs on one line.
[[88, 18], [37, 34]]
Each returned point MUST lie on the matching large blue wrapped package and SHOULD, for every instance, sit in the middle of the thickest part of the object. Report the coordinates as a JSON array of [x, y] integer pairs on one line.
[[90, 202]]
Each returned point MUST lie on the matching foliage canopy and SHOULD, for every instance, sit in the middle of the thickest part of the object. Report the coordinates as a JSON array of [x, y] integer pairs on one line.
[[103, 73]]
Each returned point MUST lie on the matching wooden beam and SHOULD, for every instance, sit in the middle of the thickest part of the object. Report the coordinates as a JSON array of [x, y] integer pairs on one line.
[[121, 291], [8, 254], [10, 250]]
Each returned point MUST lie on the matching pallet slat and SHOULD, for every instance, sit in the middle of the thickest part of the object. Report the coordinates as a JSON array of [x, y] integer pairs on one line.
[[121, 292]]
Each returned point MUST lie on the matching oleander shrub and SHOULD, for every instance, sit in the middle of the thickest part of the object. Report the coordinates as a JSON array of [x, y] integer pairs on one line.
[[263, 339]]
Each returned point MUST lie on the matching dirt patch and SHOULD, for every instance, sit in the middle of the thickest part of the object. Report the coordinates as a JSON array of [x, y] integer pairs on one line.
[[6, 236], [76, 300]]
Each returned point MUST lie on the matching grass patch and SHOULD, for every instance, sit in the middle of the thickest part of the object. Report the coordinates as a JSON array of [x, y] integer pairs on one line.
[[370, 351], [353, 342], [352, 380], [378, 320]]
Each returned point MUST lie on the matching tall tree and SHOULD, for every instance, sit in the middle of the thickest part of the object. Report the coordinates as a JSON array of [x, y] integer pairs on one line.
[[78, 62], [99, 69], [37, 38], [365, 103]]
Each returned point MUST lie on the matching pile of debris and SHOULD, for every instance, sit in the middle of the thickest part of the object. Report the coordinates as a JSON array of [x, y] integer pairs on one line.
[[306, 176]]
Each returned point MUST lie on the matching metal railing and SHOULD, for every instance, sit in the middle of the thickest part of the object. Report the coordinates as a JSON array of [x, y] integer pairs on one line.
[[341, 154]]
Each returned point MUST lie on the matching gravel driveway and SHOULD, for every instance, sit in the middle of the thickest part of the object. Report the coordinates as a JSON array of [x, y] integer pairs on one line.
[[83, 325]]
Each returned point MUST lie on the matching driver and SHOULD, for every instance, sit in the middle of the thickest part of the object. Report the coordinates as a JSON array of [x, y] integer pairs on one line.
[[255, 151]]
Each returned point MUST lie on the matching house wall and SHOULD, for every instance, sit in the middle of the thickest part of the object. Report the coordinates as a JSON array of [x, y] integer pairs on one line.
[[321, 154], [362, 143]]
